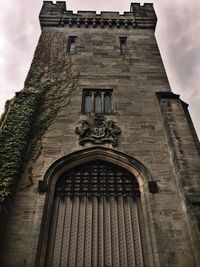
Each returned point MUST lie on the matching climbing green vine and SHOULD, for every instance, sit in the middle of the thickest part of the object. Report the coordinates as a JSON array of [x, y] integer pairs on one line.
[[14, 134], [50, 84]]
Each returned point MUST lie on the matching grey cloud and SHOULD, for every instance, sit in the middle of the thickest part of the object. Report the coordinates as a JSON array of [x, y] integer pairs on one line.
[[177, 34]]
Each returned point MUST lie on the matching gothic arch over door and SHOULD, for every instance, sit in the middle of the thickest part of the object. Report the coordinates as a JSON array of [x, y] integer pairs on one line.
[[95, 219], [93, 215]]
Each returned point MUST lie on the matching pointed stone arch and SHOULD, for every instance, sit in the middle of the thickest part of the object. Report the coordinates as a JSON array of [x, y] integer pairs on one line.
[[85, 156], [82, 156]]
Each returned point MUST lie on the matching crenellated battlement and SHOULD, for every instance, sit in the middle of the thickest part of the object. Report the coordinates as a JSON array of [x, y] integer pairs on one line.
[[145, 10], [49, 8], [57, 15]]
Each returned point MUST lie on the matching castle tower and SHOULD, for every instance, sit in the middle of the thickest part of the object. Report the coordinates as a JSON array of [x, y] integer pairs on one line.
[[99, 159]]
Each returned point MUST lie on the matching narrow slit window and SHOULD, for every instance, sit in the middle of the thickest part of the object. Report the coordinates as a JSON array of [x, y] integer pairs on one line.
[[97, 104], [107, 104], [71, 44], [123, 45], [88, 104]]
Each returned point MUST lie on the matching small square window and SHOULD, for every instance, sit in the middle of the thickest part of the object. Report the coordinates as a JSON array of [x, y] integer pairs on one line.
[[123, 45], [71, 44], [97, 101]]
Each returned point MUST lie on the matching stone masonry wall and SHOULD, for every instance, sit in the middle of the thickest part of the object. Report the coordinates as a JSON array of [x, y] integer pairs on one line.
[[135, 78]]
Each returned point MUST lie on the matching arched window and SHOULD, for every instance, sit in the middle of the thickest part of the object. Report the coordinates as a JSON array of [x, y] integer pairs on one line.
[[107, 104], [97, 101], [88, 104]]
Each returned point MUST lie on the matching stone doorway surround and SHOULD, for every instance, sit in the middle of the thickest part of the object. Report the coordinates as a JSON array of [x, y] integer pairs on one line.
[[137, 169]]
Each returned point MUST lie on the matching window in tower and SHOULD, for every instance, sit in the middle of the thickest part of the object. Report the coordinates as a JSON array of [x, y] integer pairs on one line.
[[88, 103], [123, 45], [71, 44], [107, 103], [97, 101]]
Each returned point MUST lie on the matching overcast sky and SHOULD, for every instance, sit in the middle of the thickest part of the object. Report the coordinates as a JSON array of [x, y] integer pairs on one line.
[[177, 33]]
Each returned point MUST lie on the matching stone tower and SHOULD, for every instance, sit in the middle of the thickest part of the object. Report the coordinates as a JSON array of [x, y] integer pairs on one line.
[[99, 159]]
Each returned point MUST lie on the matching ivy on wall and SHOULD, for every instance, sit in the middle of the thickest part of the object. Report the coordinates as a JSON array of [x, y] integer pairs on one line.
[[50, 84], [15, 130]]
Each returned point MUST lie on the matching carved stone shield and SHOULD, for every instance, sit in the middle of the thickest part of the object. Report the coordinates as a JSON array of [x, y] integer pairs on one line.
[[98, 131]]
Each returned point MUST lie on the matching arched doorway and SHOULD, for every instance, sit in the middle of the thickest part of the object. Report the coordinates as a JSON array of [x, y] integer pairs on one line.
[[96, 212], [95, 219]]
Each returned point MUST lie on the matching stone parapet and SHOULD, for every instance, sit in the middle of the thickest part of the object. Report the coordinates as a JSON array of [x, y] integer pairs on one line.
[[56, 15]]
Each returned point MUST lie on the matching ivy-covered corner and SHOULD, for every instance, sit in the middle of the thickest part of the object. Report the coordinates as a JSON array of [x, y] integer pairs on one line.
[[49, 86], [15, 130]]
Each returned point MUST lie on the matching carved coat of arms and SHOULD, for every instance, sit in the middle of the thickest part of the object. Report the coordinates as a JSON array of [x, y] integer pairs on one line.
[[98, 131]]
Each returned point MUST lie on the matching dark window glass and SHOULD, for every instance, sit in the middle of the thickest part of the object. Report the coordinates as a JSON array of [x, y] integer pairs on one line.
[[107, 104], [97, 104], [123, 46], [71, 44], [88, 104], [97, 101], [72, 48]]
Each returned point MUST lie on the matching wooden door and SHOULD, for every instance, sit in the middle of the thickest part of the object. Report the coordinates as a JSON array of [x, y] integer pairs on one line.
[[95, 218]]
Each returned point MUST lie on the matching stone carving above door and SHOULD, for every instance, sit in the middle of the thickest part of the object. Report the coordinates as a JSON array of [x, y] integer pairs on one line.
[[98, 130]]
